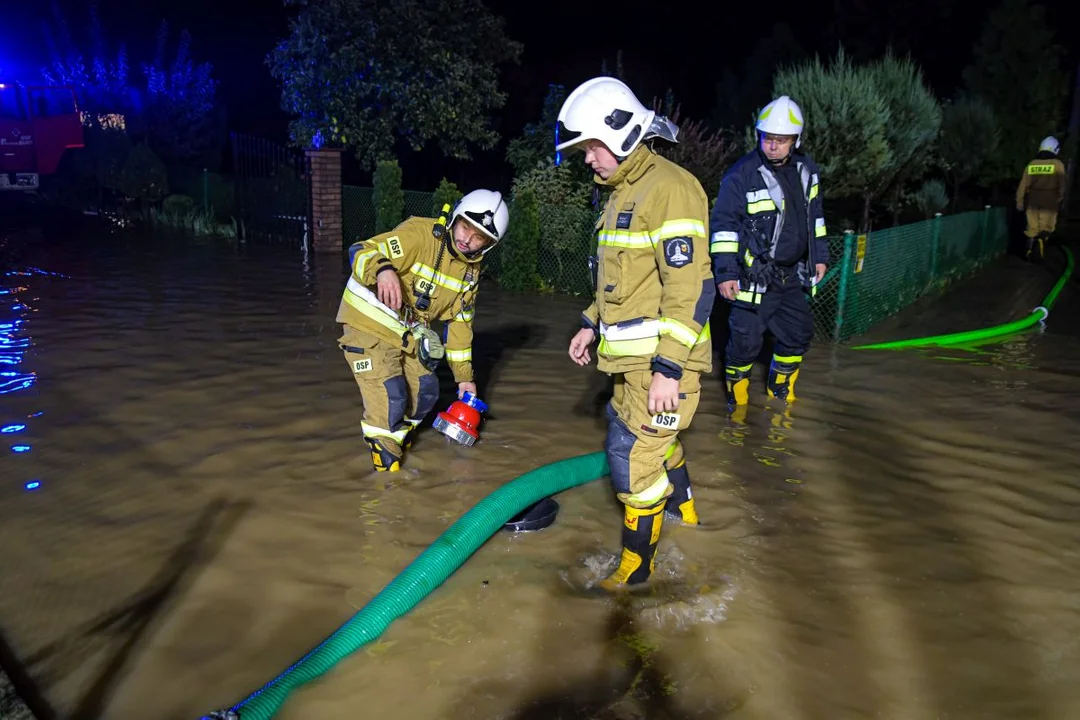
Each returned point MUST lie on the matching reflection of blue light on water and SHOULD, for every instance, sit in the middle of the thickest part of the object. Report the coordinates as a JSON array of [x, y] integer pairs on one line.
[[12, 349], [13, 346], [21, 382], [29, 272], [14, 342]]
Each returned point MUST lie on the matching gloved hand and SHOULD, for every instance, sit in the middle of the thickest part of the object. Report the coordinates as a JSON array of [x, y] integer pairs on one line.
[[429, 348]]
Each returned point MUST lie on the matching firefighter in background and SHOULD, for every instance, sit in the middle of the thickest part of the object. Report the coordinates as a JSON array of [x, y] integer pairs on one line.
[[654, 293], [1041, 191], [768, 247], [401, 281]]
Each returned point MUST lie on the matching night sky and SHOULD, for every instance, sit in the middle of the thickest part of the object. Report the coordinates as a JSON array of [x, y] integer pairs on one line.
[[664, 45]]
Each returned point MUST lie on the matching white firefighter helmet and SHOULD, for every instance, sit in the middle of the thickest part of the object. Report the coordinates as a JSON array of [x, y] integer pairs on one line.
[[486, 211], [1050, 143], [782, 117], [603, 109]]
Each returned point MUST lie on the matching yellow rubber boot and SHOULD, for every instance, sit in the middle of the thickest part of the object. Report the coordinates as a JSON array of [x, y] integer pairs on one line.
[[382, 457], [783, 373], [640, 535], [737, 378]]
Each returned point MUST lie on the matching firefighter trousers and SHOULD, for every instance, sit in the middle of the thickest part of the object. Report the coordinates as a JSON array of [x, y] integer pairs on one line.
[[642, 446], [397, 391], [784, 312], [1040, 221]]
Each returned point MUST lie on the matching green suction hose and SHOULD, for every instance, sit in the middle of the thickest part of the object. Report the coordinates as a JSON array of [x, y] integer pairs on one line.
[[1039, 314], [449, 551]]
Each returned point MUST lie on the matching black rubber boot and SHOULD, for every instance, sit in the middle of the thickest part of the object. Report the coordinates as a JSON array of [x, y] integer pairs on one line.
[[680, 504], [738, 384]]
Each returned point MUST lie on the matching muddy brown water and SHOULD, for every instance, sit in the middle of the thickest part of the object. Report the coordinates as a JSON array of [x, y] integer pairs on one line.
[[186, 508]]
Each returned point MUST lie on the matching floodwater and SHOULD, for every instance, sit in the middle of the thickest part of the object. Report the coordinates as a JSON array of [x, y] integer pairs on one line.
[[186, 507]]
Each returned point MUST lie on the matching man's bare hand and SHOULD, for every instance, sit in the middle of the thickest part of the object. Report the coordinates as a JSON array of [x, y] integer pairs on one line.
[[579, 346], [663, 394], [728, 288], [389, 289]]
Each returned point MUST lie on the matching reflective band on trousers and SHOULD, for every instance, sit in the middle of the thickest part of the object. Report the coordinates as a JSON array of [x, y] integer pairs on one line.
[[370, 431], [364, 301], [652, 494]]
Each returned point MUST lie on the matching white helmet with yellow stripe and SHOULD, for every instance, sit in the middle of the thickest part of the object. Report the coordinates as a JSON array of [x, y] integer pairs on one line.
[[782, 116], [1050, 144]]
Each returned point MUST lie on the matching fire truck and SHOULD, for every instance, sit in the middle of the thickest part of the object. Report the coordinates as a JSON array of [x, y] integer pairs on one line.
[[38, 124]]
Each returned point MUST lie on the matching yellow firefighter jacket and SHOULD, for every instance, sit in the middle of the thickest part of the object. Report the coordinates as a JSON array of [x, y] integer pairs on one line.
[[412, 250], [654, 283], [1043, 184]]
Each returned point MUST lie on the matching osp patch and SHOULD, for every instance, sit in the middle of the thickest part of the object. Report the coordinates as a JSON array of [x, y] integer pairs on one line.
[[678, 252]]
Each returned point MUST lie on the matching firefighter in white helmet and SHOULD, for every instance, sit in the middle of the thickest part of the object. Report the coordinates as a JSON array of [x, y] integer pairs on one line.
[[1040, 194], [767, 241], [654, 294], [401, 281]]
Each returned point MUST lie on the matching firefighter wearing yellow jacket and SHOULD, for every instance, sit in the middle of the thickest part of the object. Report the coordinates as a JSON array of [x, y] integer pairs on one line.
[[654, 294], [1040, 193], [401, 281]]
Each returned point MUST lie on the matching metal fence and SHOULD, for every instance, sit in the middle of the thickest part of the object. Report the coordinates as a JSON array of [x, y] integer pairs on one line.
[[881, 273], [271, 190], [358, 210]]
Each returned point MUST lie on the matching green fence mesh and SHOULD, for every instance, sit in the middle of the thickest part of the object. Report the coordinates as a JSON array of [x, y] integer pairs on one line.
[[358, 210], [872, 277], [883, 272], [824, 302], [567, 239]]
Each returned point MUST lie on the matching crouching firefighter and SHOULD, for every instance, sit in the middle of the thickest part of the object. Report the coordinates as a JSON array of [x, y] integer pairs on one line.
[[1040, 194], [768, 248], [654, 292], [400, 282]]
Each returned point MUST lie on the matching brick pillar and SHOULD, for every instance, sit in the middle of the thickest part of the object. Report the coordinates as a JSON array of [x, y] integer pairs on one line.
[[324, 184]]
